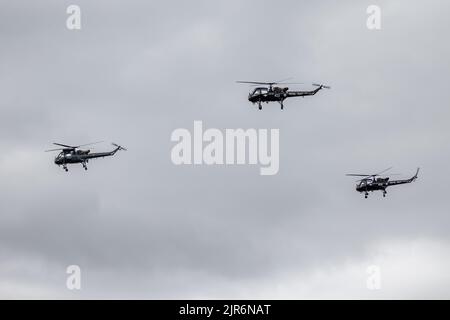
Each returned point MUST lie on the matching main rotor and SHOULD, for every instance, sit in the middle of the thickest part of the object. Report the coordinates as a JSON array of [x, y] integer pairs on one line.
[[270, 84], [67, 148], [370, 176]]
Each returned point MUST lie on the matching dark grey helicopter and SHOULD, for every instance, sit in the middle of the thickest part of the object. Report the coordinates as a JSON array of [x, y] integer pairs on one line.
[[269, 93], [374, 182], [71, 154]]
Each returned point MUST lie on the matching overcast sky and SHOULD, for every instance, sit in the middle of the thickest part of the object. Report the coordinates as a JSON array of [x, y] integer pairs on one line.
[[141, 227]]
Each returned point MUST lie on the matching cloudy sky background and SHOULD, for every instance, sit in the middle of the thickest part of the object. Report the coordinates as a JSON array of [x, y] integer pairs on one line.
[[140, 227]]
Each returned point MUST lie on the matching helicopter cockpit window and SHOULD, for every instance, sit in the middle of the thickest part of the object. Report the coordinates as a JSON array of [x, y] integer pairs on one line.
[[259, 91]]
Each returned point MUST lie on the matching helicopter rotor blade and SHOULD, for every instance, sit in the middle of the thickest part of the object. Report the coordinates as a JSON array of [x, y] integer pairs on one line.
[[64, 145], [257, 83], [279, 81], [383, 177], [54, 150], [266, 83], [370, 175], [75, 147], [88, 144], [383, 171]]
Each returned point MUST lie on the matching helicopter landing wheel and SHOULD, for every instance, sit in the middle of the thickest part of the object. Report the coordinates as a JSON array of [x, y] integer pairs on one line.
[[260, 107], [366, 195]]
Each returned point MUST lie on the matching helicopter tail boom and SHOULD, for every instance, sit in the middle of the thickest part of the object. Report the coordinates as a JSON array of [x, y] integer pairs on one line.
[[412, 179]]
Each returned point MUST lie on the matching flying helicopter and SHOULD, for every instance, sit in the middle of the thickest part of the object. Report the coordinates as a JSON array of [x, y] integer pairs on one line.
[[268, 92], [72, 154], [378, 181]]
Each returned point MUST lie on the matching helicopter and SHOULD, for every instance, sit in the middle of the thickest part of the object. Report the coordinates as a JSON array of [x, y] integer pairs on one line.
[[72, 154], [374, 182], [270, 93]]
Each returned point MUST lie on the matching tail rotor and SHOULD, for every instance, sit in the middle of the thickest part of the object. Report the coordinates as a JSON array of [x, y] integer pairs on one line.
[[119, 147], [321, 86]]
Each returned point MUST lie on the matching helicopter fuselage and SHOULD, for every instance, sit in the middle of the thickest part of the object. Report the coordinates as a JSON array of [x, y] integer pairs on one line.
[[267, 92], [381, 184], [72, 154], [277, 94], [80, 156], [264, 94]]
